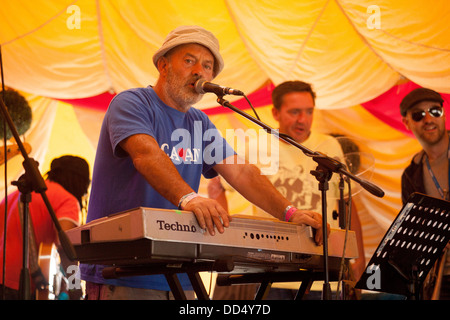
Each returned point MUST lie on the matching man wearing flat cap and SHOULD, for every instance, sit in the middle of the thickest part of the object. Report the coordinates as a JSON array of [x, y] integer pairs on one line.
[[423, 113], [152, 152]]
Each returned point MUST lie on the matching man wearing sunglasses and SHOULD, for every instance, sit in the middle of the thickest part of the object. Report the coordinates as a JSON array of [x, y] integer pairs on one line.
[[422, 113]]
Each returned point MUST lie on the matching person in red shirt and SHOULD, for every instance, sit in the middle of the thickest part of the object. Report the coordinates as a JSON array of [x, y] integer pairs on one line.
[[67, 184]]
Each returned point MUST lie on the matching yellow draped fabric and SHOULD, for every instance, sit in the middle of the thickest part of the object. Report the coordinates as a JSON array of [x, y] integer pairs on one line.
[[352, 51]]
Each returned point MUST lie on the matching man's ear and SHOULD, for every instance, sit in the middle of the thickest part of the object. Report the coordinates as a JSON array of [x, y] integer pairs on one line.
[[163, 65], [276, 114], [406, 123]]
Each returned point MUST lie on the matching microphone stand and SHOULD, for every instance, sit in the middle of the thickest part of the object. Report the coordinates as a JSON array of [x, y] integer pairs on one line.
[[30, 181], [325, 169]]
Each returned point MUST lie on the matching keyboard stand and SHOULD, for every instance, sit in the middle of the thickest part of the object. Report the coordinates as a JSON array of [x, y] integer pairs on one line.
[[266, 279], [170, 271]]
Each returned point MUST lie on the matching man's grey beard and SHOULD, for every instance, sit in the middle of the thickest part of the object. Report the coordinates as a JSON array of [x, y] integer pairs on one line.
[[183, 95]]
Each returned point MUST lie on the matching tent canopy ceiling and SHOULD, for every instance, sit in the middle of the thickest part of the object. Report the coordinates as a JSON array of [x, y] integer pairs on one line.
[[351, 51]]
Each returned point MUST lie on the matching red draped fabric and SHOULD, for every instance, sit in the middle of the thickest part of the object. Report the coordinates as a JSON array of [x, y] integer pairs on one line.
[[385, 107]]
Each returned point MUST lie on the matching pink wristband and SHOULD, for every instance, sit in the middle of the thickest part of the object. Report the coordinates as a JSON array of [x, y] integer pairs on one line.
[[288, 212]]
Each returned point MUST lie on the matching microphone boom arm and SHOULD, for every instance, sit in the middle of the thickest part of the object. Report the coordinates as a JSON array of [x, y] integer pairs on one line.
[[330, 163], [326, 167]]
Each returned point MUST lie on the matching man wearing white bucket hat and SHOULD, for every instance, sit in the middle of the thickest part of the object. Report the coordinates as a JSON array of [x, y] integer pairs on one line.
[[153, 149]]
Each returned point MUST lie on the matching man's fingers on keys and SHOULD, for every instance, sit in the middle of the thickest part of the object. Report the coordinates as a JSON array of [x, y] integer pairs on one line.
[[219, 219], [224, 217], [209, 222], [200, 219]]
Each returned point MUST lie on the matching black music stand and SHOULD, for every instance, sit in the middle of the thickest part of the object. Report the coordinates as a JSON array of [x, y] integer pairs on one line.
[[410, 248]]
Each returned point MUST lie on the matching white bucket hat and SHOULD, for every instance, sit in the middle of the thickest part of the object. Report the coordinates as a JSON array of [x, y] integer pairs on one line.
[[191, 34]]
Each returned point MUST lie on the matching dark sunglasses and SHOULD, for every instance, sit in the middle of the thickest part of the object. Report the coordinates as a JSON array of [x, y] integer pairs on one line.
[[435, 112]]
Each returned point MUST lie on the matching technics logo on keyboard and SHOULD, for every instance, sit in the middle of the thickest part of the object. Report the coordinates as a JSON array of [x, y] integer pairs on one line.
[[163, 225]]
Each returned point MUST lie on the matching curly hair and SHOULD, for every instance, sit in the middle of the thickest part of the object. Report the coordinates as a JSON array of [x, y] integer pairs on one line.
[[72, 173]]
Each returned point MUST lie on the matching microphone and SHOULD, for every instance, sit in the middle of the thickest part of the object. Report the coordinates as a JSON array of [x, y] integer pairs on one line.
[[202, 86], [373, 189]]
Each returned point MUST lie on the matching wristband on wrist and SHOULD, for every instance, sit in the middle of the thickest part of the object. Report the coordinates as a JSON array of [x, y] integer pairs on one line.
[[185, 199], [288, 213]]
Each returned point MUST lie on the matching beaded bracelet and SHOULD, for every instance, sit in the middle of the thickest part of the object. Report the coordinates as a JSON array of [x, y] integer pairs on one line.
[[288, 213], [185, 199]]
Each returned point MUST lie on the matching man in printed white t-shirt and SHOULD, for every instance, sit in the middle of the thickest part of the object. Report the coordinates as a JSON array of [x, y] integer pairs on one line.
[[293, 109]]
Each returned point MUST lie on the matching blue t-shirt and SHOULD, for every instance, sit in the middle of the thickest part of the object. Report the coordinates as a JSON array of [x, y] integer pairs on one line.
[[189, 139]]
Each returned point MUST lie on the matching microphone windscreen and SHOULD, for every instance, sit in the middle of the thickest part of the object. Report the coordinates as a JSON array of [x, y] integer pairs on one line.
[[19, 110], [199, 86]]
